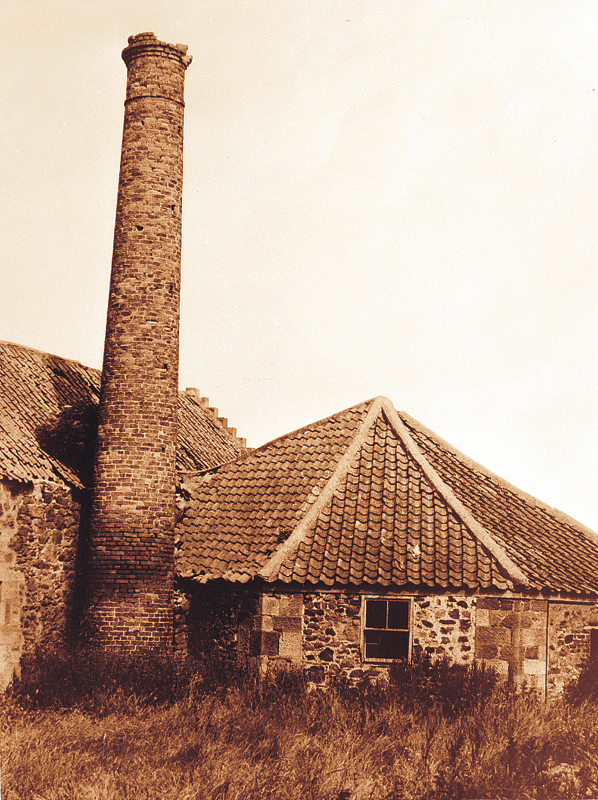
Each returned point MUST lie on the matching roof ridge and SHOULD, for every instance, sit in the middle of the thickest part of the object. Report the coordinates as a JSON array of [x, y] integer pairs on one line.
[[561, 516], [313, 424], [290, 545], [45, 353], [477, 529]]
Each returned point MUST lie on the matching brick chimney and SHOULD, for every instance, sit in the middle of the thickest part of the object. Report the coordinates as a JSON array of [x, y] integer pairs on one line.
[[131, 544]]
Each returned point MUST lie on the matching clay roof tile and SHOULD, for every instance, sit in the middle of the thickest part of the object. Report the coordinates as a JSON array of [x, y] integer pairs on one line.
[[394, 503]]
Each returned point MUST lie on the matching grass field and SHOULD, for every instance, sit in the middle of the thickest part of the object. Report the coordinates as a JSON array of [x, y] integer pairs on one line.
[[440, 737]]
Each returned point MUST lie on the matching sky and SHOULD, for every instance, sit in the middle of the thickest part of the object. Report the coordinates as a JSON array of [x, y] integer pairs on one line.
[[392, 197]]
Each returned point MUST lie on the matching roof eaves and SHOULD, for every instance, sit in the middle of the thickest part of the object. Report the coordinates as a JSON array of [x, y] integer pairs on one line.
[[270, 569], [480, 533]]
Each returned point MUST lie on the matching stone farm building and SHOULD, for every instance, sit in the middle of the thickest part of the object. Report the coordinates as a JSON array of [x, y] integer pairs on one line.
[[132, 515], [48, 407], [364, 538], [349, 543]]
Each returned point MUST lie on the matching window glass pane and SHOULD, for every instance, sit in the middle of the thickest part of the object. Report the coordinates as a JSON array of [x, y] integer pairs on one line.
[[375, 614], [398, 614], [381, 644], [594, 644]]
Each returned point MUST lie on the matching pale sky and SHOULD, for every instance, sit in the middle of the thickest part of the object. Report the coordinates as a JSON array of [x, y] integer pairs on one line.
[[394, 197]]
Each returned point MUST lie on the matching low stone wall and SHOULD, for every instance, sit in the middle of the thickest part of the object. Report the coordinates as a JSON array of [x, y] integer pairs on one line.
[[445, 625], [569, 636], [440, 625], [321, 633], [39, 530], [332, 637]]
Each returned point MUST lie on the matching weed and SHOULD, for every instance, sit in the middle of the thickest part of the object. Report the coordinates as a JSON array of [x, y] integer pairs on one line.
[[455, 689], [584, 688], [276, 740], [100, 682]]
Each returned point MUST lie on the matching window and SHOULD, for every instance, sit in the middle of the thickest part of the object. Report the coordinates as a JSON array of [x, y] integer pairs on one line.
[[386, 630], [594, 644]]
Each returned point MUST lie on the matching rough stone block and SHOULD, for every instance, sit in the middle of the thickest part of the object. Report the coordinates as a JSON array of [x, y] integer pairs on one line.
[[290, 646], [291, 605], [489, 603], [327, 654], [352, 631], [498, 636], [266, 622], [286, 623], [487, 651], [264, 643], [270, 605], [316, 674], [482, 617], [534, 667], [533, 636]]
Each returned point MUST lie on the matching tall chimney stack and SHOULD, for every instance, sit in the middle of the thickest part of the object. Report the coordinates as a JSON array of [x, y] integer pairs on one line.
[[131, 544]]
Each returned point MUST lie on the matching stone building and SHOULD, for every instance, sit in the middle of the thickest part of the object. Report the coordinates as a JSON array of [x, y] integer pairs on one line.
[[364, 538], [336, 549], [48, 416]]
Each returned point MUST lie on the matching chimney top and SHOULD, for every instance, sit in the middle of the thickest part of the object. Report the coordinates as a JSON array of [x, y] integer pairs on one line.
[[148, 41]]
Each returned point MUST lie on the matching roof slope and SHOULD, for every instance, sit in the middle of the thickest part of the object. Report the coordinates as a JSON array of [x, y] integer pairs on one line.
[[370, 497], [553, 550], [41, 394], [240, 514]]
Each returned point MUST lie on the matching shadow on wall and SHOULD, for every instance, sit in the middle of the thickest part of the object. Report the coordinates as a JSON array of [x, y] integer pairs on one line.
[[71, 437]]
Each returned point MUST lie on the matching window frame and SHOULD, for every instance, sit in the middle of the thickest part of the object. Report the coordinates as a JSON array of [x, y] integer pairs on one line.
[[409, 629]]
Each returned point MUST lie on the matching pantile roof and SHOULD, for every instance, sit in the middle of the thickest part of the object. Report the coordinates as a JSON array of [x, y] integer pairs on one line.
[[553, 550], [38, 390], [371, 497]]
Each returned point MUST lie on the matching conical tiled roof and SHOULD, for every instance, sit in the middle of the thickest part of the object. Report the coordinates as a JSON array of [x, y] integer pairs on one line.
[[370, 497], [37, 390]]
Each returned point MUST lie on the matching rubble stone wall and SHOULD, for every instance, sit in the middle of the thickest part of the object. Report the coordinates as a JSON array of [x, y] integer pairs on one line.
[[440, 625], [569, 631], [321, 632], [39, 530], [445, 625]]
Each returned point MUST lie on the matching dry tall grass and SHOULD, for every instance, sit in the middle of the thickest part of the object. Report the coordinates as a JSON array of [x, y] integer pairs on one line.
[[280, 741]]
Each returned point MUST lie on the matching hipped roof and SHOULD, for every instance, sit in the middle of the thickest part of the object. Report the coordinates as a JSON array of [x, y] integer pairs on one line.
[[371, 497], [37, 388]]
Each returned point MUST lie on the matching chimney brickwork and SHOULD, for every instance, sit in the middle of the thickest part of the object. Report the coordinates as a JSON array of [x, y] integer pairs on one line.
[[131, 537]]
